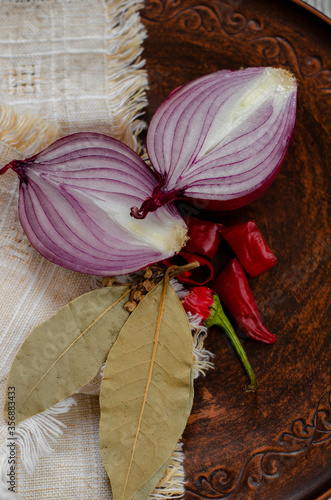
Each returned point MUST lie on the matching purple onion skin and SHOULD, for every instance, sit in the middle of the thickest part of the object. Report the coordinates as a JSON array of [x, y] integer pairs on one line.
[[224, 206], [74, 207], [220, 140]]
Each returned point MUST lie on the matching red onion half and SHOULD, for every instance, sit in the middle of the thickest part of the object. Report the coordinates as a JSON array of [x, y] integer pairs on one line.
[[74, 206], [221, 137]]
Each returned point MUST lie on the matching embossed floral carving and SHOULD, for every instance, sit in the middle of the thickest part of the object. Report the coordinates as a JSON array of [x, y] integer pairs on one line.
[[278, 50], [217, 16], [222, 16], [268, 464]]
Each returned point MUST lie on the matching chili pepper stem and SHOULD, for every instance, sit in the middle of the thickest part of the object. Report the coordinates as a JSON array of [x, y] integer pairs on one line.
[[225, 324], [219, 319]]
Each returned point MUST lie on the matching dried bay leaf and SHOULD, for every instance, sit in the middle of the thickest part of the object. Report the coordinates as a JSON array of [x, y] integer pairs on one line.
[[146, 392], [65, 352], [145, 491]]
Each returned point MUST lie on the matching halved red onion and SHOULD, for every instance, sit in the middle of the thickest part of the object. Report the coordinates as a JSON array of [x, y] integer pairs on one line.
[[221, 137], [74, 206]]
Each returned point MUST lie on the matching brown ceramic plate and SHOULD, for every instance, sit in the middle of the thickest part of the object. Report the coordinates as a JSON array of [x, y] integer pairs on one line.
[[273, 444]]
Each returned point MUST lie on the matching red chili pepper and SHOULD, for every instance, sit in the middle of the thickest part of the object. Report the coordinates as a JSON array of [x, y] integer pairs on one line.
[[199, 301], [250, 247], [232, 287], [206, 304], [198, 276], [204, 237]]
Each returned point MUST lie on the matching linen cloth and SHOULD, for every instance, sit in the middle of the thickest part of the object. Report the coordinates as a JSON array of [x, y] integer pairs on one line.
[[65, 66], [322, 5]]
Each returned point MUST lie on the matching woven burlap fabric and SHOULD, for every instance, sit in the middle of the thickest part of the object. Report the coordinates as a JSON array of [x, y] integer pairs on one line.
[[65, 66]]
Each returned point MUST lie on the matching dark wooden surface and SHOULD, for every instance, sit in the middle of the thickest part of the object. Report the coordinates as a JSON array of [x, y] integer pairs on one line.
[[273, 444]]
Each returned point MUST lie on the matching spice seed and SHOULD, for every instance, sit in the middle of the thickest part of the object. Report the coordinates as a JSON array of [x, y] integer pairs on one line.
[[108, 281], [130, 305], [148, 273]]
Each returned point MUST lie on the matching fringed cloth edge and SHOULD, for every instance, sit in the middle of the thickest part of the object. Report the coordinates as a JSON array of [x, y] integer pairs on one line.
[[127, 82]]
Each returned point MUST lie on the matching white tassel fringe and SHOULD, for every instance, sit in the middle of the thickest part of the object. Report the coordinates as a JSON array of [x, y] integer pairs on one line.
[[34, 439], [24, 132], [36, 435]]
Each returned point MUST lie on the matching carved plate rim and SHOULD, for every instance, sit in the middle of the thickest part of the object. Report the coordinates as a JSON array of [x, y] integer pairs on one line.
[[312, 10]]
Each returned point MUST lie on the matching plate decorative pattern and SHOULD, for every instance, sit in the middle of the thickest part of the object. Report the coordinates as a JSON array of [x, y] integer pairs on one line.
[[266, 464], [224, 17]]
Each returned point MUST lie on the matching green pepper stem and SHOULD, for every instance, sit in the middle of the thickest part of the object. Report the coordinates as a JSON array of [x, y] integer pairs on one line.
[[217, 317]]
